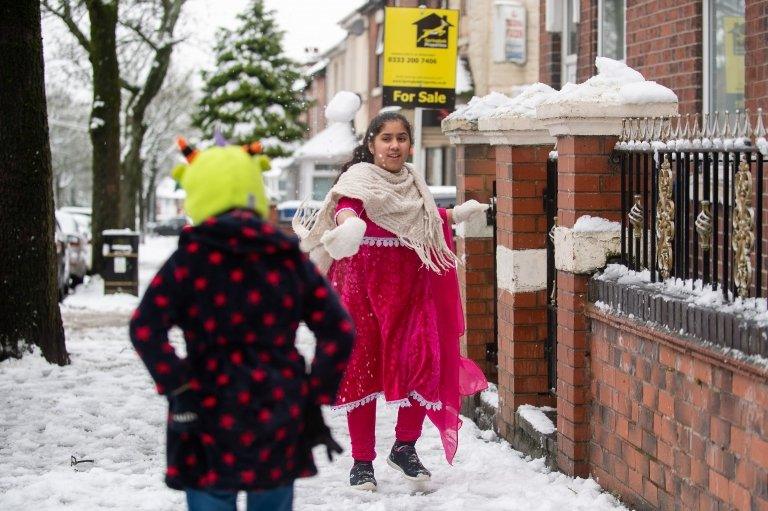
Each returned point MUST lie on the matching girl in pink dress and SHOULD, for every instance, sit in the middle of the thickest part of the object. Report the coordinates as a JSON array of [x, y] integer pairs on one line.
[[388, 252]]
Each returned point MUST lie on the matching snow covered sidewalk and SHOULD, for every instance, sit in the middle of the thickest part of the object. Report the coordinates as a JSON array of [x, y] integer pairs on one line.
[[103, 408]]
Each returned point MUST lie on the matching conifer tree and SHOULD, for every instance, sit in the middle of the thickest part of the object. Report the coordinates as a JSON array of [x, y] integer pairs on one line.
[[252, 93]]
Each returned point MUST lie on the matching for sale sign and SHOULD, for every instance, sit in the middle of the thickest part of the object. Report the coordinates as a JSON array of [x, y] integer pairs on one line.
[[420, 48]]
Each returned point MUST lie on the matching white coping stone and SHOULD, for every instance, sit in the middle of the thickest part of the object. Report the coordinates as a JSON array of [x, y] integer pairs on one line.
[[515, 130], [467, 137], [584, 251], [590, 118], [476, 227], [521, 271], [458, 124]]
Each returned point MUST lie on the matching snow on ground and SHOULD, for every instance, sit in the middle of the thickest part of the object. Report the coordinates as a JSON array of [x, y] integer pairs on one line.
[[103, 408]]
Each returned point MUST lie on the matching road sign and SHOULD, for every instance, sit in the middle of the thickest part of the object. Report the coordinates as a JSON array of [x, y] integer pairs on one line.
[[420, 47]]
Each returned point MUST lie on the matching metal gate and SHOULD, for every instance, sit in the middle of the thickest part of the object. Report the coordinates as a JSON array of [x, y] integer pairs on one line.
[[492, 348], [550, 208]]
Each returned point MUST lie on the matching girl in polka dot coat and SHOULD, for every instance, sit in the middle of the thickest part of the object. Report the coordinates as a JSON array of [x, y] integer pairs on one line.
[[242, 399]]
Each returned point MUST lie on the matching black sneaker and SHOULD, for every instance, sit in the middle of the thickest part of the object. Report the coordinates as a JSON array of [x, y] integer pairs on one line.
[[361, 476], [403, 457]]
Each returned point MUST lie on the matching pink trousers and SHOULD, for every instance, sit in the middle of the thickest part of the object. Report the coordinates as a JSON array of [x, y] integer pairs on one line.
[[362, 428]]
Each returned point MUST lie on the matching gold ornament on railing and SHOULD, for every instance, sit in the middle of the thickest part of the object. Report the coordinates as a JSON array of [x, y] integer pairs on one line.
[[743, 229], [636, 216], [665, 219], [703, 225]]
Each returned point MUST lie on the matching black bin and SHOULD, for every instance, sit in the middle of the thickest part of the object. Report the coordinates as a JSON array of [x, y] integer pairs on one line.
[[120, 248]]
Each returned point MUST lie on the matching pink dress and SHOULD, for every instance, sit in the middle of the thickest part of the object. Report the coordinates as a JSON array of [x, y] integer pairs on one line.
[[408, 321]]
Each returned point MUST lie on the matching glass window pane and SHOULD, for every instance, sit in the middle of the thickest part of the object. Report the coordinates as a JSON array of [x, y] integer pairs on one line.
[[321, 186], [726, 59], [570, 39], [612, 29]]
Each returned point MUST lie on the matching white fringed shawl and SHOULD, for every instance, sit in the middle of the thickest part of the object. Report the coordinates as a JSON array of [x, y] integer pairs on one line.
[[399, 202]]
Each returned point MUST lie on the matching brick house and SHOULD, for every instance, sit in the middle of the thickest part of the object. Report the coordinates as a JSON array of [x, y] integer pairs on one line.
[[660, 399]]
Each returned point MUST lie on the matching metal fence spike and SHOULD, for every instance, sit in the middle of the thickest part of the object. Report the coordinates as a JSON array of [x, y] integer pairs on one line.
[[687, 129], [759, 126], [696, 132]]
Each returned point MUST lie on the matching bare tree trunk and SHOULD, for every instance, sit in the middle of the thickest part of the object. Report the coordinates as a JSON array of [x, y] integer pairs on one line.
[[133, 164], [28, 299], [105, 122]]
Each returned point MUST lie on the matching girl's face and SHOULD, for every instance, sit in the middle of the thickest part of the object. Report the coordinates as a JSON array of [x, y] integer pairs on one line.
[[391, 147]]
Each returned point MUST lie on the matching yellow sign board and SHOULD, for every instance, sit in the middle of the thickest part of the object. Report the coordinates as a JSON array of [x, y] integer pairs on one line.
[[734, 54], [420, 49]]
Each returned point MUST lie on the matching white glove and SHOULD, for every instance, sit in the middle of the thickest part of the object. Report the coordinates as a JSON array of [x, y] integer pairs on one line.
[[467, 210], [344, 240]]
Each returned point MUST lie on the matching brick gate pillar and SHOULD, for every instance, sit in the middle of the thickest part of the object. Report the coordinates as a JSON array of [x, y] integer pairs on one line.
[[522, 153], [588, 184], [475, 173]]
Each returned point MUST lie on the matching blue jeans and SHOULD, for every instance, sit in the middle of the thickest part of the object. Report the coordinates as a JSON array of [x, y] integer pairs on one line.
[[279, 499]]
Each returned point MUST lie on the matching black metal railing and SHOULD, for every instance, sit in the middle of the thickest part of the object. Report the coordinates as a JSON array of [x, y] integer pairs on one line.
[[550, 207], [692, 199]]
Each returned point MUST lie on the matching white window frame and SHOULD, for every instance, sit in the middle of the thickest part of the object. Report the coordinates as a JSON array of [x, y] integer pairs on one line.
[[600, 30]]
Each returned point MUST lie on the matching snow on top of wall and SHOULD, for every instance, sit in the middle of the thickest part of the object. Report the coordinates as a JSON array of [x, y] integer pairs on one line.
[[480, 106], [490, 396], [334, 142], [615, 82], [537, 418], [524, 103], [587, 223], [343, 107]]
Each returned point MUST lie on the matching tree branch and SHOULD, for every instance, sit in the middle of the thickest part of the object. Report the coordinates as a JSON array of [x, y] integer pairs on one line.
[[64, 13]]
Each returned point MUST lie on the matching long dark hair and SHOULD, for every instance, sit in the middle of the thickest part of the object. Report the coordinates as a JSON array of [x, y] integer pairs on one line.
[[361, 152]]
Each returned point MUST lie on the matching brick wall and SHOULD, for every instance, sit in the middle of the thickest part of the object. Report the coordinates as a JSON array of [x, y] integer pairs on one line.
[[475, 173], [757, 54], [521, 224], [549, 52], [675, 426], [664, 43]]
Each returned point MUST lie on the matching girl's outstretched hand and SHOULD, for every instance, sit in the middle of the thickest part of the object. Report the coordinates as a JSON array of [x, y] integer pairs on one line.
[[467, 210], [344, 240]]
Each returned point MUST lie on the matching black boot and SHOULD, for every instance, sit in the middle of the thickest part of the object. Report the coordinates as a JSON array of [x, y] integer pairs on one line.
[[403, 457], [361, 476]]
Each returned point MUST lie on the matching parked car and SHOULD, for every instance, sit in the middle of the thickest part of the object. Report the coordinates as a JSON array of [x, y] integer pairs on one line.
[[445, 196], [287, 209], [62, 261], [84, 226], [169, 226], [77, 242]]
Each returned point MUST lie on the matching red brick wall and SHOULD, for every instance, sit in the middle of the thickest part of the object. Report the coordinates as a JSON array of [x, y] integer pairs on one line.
[[587, 183], [521, 223], [664, 43], [757, 54], [549, 52], [674, 425], [475, 173]]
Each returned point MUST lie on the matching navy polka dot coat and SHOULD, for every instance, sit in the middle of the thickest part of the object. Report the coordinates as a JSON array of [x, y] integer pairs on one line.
[[238, 288]]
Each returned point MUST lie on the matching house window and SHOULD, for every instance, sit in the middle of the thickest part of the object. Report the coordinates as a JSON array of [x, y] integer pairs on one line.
[[611, 41], [724, 57], [570, 40]]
